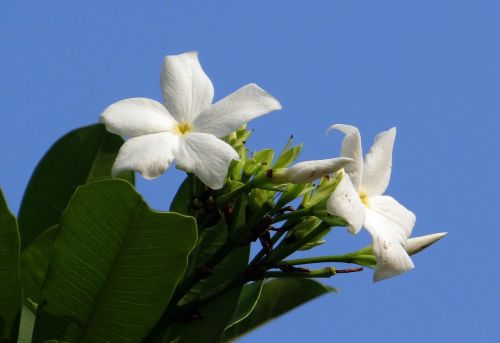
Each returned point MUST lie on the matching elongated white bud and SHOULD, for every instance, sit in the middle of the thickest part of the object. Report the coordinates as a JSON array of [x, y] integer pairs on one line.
[[417, 244], [308, 171]]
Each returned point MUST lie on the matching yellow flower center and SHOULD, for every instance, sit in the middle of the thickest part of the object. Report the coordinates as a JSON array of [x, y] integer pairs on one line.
[[364, 198], [183, 128]]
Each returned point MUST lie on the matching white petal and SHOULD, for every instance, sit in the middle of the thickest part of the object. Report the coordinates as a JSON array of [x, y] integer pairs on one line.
[[388, 246], [309, 171], [391, 209], [137, 116], [207, 157], [416, 244], [228, 114], [378, 163], [345, 203], [149, 155], [186, 88], [351, 147]]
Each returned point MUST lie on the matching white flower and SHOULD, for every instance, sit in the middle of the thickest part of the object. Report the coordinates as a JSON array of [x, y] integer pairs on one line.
[[186, 126], [308, 171], [359, 200], [417, 244]]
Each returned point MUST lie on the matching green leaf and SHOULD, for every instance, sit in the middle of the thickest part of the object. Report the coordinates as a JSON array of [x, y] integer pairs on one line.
[[216, 314], [114, 268], [82, 156], [35, 261], [10, 284], [278, 296], [246, 303]]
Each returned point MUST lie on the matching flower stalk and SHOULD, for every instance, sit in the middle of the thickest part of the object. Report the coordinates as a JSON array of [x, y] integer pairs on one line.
[[347, 258], [320, 273]]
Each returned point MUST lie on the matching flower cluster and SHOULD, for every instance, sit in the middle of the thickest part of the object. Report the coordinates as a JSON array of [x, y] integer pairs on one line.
[[189, 129]]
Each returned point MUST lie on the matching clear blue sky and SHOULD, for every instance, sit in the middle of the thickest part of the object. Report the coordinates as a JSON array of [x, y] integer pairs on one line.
[[430, 68]]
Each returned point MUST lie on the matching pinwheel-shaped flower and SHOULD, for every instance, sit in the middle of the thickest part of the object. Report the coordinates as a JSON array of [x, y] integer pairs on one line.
[[359, 200], [186, 126]]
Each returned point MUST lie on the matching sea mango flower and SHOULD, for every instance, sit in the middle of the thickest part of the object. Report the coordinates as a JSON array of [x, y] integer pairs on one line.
[[360, 201], [187, 126]]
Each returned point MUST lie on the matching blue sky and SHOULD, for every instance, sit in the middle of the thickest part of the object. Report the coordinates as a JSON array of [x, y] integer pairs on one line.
[[430, 68]]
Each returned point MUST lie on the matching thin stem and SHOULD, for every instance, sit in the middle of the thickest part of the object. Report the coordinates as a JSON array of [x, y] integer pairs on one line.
[[257, 218], [320, 273], [304, 212], [276, 237], [348, 258], [225, 198], [291, 248]]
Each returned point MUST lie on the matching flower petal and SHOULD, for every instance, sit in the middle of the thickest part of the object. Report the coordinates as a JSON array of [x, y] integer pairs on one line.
[[391, 209], [351, 147], [417, 244], [149, 155], [388, 246], [207, 157], [137, 116], [345, 203], [228, 114], [378, 163], [186, 88], [309, 171]]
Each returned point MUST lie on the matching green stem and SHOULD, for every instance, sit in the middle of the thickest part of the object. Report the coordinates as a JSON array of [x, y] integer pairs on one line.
[[348, 258], [259, 181], [225, 198], [285, 251], [256, 219], [276, 237], [304, 212], [320, 273]]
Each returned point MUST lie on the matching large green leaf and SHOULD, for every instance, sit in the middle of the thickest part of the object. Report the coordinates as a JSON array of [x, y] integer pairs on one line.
[[83, 155], [35, 261], [246, 303], [114, 268], [10, 285], [278, 296], [214, 316]]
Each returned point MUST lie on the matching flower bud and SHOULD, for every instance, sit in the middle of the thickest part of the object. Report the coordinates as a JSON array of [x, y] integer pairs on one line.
[[417, 244], [307, 171]]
